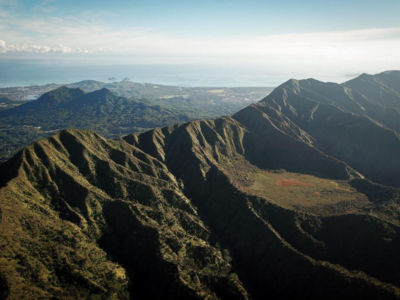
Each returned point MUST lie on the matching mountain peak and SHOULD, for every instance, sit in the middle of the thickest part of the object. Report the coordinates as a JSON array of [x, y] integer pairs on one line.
[[100, 96], [363, 76], [47, 101], [103, 92], [64, 92], [291, 81], [292, 84]]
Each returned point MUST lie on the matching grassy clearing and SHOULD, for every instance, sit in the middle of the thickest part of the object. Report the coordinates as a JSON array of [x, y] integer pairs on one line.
[[292, 189]]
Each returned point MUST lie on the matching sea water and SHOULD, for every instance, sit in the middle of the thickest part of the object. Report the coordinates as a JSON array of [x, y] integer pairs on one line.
[[14, 73]]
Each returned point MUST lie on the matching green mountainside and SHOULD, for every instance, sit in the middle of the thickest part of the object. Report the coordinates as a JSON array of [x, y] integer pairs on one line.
[[131, 107], [7, 103], [101, 217], [101, 110], [295, 197]]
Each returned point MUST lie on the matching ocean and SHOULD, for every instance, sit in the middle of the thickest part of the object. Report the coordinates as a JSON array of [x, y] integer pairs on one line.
[[14, 73]]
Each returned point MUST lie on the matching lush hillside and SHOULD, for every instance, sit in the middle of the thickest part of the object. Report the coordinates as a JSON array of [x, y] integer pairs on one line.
[[133, 107], [275, 247], [295, 197], [101, 110], [101, 218]]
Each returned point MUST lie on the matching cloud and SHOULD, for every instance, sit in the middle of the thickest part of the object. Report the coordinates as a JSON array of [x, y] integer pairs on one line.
[[343, 51], [131, 41], [86, 37], [4, 48]]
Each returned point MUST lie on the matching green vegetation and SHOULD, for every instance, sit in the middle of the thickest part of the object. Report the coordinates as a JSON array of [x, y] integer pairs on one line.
[[271, 203], [7, 103], [93, 212], [131, 107], [272, 244], [293, 189]]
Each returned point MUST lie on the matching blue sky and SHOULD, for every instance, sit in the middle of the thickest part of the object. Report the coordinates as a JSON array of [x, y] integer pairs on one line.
[[228, 18], [338, 33]]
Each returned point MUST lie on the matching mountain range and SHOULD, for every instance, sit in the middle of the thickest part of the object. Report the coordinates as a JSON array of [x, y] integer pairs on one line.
[[112, 109], [294, 197], [100, 110]]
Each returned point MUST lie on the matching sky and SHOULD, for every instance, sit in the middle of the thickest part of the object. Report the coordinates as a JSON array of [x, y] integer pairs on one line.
[[345, 36]]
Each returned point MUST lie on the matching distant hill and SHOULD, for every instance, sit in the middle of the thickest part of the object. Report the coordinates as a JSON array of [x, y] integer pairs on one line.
[[100, 110], [295, 197], [62, 108], [135, 107]]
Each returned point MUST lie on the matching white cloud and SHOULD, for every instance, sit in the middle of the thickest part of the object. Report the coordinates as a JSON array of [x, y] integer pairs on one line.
[[75, 36], [4, 48], [133, 41]]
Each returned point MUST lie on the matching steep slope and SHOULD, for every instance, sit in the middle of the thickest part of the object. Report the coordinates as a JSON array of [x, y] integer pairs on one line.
[[384, 88], [362, 101], [278, 252], [85, 216], [97, 217], [338, 130]]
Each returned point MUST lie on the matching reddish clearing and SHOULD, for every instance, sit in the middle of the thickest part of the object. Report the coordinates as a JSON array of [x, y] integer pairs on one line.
[[291, 182]]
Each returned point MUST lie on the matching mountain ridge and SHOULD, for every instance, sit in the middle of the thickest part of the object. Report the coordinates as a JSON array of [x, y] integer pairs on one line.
[[285, 199]]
